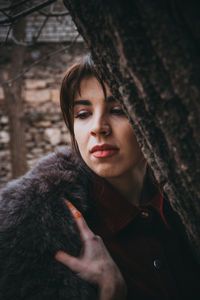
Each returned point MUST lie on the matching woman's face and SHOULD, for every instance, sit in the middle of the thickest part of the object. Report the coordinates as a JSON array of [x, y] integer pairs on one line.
[[105, 138]]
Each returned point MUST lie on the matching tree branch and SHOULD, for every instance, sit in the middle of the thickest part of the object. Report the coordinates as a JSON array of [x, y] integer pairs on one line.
[[54, 14], [26, 12], [20, 43], [35, 38], [47, 56], [5, 14], [9, 30], [13, 6]]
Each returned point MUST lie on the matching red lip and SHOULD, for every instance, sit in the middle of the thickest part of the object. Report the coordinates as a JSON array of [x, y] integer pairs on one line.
[[103, 147]]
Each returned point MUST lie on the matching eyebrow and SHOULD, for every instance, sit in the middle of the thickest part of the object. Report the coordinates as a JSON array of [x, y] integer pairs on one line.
[[109, 99], [82, 102]]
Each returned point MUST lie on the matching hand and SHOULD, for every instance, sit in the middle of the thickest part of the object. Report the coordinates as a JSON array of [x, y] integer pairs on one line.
[[95, 264]]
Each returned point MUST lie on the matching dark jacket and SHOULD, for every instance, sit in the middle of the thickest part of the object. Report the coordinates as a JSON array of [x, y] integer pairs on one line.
[[35, 222]]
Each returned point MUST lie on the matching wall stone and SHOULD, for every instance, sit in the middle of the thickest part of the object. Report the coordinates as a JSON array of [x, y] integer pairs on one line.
[[39, 96], [31, 84], [45, 128]]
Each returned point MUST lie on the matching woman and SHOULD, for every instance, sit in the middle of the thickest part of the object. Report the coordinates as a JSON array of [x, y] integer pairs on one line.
[[129, 250]]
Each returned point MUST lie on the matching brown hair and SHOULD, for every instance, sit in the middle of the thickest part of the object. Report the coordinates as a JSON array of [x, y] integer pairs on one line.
[[70, 85]]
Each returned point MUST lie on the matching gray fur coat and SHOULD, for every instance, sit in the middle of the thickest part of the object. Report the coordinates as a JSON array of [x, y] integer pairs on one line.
[[35, 222]]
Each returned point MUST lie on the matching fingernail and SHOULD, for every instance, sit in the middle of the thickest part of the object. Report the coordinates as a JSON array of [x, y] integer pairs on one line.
[[58, 254], [74, 211]]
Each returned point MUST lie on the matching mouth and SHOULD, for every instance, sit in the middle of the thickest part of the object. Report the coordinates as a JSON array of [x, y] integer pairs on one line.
[[105, 150]]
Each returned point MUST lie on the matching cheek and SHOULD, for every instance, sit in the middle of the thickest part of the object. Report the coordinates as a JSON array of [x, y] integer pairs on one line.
[[78, 133], [130, 143], [81, 139]]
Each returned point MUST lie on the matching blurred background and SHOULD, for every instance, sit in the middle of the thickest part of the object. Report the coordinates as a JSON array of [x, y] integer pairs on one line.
[[38, 43]]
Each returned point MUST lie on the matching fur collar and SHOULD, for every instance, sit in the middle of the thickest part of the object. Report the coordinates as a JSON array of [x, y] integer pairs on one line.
[[35, 222]]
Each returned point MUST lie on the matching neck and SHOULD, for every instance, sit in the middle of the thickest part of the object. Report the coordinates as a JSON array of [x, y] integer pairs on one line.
[[131, 183]]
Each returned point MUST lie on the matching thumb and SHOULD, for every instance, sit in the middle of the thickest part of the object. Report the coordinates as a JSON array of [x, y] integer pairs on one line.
[[69, 261]]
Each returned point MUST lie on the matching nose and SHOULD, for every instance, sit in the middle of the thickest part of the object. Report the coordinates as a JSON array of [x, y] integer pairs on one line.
[[100, 126]]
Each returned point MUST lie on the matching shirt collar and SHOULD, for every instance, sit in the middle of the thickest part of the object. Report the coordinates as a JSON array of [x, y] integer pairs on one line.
[[115, 210]]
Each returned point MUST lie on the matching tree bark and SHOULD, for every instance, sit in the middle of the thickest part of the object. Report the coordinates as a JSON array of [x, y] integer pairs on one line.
[[14, 103], [148, 53]]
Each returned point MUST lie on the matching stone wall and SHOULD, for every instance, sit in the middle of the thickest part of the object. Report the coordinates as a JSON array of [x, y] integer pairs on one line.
[[45, 128]]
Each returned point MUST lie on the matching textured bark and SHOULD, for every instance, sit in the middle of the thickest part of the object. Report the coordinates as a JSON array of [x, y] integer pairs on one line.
[[14, 103], [148, 53]]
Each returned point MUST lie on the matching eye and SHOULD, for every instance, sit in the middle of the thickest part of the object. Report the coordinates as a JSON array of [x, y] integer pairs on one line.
[[82, 115], [117, 110]]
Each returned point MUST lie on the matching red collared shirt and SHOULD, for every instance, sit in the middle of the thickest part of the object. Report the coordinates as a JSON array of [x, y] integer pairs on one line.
[[144, 247]]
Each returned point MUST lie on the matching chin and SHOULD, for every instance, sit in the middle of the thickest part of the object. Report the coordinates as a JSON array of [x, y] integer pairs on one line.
[[106, 172]]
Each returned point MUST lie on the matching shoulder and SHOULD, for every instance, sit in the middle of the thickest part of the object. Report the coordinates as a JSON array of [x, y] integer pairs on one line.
[[57, 175], [62, 162]]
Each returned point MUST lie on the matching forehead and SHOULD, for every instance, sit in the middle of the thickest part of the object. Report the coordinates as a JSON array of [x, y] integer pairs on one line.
[[90, 87]]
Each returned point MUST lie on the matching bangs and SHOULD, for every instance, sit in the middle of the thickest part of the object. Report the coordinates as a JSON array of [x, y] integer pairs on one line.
[[84, 70]]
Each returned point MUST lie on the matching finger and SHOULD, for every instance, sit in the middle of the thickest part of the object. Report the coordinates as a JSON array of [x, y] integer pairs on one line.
[[76, 213], [85, 231], [69, 261]]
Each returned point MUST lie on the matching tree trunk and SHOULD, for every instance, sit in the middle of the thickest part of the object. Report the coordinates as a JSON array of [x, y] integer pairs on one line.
[[148, 53], [14, 103]]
